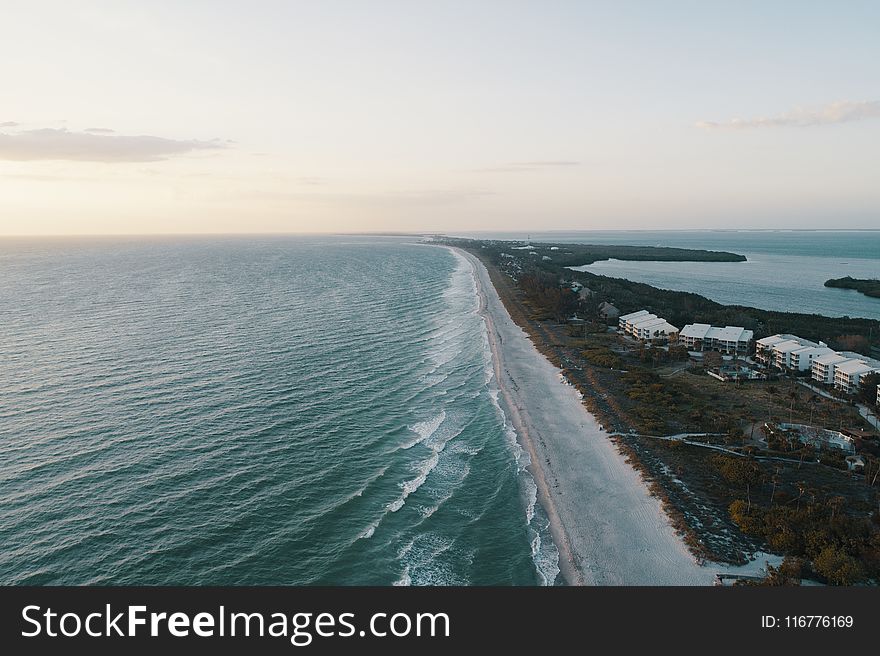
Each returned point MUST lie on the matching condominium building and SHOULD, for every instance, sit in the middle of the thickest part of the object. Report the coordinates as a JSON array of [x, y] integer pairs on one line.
[[703, 337], [646, 326], [648, 329], [824, 366], [625, 320], [802, 359], [777, 350], [848, 375]]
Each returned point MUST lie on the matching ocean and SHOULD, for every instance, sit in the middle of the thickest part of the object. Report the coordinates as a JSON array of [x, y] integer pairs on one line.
[[246, 410], [786, 269]]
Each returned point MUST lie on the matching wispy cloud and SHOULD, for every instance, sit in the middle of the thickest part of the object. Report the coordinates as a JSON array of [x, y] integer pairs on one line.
[[8, 124], [381, 199], [843, 111], [87, 146], [523, 167], [99, 130]]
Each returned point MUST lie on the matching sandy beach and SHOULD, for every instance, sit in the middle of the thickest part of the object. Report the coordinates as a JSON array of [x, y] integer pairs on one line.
[[607, 527]]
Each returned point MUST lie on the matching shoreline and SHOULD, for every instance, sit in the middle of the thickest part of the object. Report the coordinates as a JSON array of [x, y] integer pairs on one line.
[[607, 527]]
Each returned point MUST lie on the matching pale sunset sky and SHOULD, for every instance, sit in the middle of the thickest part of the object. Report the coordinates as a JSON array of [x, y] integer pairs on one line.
[[408, 115]]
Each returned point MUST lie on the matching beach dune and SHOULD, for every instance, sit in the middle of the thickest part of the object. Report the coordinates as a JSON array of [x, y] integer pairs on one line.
[[609, 530]]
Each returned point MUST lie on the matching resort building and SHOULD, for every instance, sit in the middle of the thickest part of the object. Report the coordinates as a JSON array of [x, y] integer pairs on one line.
[[652, 328], [646, 326], [624, 321], [844, 370], [777, 350], [764, 347], [848, 375], [824, 366], [802, 359], [703, 337]]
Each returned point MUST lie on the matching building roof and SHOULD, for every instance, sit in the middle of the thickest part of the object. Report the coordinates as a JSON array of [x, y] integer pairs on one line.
[[731, 334], [726, 334], [656, 324], [695, 330], [773, 340], [788, 346], [806, 350], [838, 357], [638, 321], [633, 315], [855, 367], [831, 358]]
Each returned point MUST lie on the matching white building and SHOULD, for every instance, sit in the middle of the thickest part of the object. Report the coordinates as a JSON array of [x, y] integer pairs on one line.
[[624, 321], [646, 326], [824, 366], [848, 375], [651, 328], [703, 337], [802, 359], [777, 351]]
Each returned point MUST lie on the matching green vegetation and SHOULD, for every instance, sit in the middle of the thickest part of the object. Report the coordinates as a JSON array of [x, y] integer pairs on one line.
[[840, 549], [868, 388], [580, 254], [868, 287], [602, 357]]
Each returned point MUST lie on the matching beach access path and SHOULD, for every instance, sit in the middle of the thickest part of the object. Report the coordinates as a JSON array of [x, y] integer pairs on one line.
[[608, 528]]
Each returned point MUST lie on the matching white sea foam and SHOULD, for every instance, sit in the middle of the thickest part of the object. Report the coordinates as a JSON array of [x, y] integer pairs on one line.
[[545, 555], [424, 429], [412, 485], [404, 579], [368, 532], [426, 561], [435, 435]]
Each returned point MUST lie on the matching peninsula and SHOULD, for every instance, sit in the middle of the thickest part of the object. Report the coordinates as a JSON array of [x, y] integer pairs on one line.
[[867, 286]]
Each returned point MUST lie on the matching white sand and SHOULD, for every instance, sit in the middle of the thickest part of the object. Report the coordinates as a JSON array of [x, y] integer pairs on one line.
[[607, 527]]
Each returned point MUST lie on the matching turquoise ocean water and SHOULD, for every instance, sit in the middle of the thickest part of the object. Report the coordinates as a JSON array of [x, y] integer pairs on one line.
[[270, 410]]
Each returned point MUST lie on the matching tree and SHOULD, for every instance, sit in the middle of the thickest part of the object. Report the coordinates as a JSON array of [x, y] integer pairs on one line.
[[742, 472], [793, 397], [868, 388], [712, 359], [837, 566], [813, 400]]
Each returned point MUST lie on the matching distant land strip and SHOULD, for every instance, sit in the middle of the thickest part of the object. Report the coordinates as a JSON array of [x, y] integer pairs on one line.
[[867, 286], [564, 254]]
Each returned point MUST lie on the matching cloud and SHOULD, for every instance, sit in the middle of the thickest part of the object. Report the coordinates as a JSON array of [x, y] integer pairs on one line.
[[100, 130], [8, 124], [843, 111], [63, 144], [379, 199], [522, 167]]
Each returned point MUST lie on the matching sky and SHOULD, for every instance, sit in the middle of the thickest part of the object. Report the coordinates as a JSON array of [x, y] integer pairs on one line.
[[123, 117]]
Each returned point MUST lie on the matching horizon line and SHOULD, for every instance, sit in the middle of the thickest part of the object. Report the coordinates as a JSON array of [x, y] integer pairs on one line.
[[419, 233]]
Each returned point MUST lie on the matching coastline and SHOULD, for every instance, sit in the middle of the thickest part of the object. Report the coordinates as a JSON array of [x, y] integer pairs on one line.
[[607, 527]]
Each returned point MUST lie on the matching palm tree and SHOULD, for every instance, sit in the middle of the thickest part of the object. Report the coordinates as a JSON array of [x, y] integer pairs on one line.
[[802, 488], [813, 400], [775, 480]]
